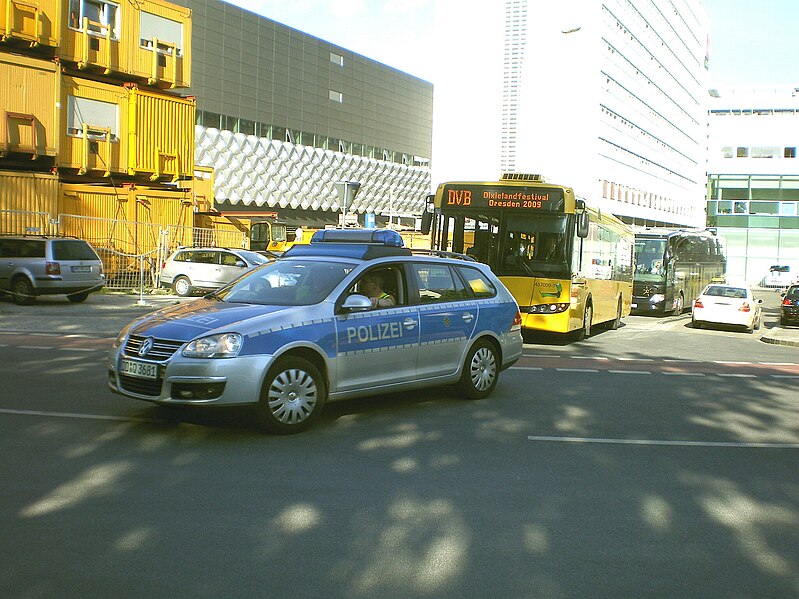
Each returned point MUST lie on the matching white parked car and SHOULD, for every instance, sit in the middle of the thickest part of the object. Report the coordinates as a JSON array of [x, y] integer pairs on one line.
[[727, 304]]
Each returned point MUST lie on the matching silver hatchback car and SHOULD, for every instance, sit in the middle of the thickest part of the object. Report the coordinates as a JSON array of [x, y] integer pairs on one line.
[[206, 268], [313, 326], [35, 265]]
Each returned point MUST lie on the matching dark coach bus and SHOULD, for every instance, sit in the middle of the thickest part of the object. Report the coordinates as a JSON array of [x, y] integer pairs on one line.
[[672, 266]]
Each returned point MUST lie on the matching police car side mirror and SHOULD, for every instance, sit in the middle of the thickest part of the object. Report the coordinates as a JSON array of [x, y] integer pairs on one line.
[[357, 303]]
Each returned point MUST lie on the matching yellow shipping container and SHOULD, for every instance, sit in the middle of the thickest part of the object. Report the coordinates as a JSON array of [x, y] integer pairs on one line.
[[28, 100], [122, 222], [30, 22], [148, 40], [110, 129], [28, 202], [201, 187], [161, 130]]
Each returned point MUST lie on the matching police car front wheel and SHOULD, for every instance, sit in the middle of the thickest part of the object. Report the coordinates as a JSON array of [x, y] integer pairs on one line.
[[480, 371], [292, 396]]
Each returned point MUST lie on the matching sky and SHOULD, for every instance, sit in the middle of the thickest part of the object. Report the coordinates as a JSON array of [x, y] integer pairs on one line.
[[445, 42]]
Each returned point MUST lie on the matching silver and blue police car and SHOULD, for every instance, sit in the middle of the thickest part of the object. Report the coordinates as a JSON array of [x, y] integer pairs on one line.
[[294, 333]]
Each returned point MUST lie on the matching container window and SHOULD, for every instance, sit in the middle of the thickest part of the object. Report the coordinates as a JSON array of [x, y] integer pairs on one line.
[[96, 114], [101, 16], [169, 34]]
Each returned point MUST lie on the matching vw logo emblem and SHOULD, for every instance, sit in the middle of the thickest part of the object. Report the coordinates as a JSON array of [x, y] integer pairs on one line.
[[146, 346]]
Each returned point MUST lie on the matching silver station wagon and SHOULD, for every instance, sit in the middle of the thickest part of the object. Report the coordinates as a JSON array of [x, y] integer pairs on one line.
[[353, 313]]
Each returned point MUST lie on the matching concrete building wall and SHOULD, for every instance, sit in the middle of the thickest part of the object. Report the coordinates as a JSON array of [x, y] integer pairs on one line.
[[609, 97], [265, 85], [753, 178]]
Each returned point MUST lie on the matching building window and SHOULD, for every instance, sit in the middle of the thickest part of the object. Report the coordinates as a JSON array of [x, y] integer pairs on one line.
[[742, 152], [790, 153], [788, 208], [741, 208], [765, 152], [727, 153], [337, 59], [336, 96]]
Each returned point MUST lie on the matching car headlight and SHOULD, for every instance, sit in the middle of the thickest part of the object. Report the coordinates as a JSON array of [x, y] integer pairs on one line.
[[224, 345], [122, 334]]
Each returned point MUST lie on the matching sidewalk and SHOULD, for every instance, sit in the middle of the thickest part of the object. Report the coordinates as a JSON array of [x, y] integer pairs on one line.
[[102, 315]]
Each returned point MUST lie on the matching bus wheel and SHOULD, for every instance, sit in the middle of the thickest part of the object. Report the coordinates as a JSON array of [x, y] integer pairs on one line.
[[585, 331], [679, 305]]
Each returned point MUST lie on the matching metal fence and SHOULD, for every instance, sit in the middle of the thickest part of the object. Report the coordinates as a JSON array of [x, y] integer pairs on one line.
[[132, 252]]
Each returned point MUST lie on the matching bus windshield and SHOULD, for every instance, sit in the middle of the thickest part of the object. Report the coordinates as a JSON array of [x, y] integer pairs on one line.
[[649, 260], [535, 245]]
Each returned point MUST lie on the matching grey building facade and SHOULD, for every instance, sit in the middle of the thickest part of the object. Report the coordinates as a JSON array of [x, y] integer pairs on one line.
[[282, 116]]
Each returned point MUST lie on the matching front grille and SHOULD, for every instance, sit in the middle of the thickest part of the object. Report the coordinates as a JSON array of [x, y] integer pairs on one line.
[[150, 387], [162, 349]]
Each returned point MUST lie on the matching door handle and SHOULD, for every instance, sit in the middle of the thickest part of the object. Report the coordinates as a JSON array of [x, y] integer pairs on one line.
[[410, 323], [468, 317]]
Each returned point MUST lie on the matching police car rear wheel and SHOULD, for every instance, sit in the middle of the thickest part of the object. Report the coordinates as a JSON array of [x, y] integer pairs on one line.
[[480, 371], [292, 396]]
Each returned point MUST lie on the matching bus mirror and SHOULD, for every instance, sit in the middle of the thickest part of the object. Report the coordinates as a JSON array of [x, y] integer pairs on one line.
[[427, 221], [582, 224]]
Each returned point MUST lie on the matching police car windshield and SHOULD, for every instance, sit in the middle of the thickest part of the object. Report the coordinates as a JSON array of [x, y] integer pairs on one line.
[[287, 283]]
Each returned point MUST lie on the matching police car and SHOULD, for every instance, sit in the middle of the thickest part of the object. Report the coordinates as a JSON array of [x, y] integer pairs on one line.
[[294, 333]]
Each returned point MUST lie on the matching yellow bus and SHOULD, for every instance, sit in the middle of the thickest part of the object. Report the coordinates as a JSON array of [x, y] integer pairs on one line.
[[569, 266]]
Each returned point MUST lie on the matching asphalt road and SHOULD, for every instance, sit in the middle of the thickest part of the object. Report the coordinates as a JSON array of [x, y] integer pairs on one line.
[[652, 461]]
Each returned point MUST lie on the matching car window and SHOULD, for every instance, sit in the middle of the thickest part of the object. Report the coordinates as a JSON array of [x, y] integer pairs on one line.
[[72, 250], [793, 292], [9, 248], [480, 285], [287, 283], [205, 257], [230, 259], [391, 283], [31, 249], [437, 284]]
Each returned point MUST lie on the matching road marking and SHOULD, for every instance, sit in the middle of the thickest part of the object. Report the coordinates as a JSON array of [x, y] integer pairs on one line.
[[629, 372], [738, 376], [785, 376], [81, 349], [576, 370], [588, 358], [683, 361], [674, 443], [778, 363], [683, 373], [729, 362], [79, 416], [525, 368], [635, 359], [35, 347], [541, 355]]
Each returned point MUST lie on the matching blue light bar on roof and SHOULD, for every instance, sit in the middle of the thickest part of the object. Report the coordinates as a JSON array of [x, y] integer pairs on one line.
[[384, 237]]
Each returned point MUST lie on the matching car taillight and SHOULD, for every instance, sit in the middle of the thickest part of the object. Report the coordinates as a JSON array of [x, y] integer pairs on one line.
[[744, 307], [698, 303], [52, 268], [517, 322], [786, 302]]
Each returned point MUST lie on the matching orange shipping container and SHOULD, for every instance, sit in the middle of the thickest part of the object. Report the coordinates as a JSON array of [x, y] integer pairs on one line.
[[28, 100]]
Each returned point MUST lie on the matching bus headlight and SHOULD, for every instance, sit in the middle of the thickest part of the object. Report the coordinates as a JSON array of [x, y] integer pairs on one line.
[[657, 298]]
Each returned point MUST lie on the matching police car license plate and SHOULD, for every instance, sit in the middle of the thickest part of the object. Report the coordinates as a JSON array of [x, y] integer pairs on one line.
[[142, 370], [81, 269]]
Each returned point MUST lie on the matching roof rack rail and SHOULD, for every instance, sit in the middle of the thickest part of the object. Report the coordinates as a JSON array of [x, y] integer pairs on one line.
[[444, 254]]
